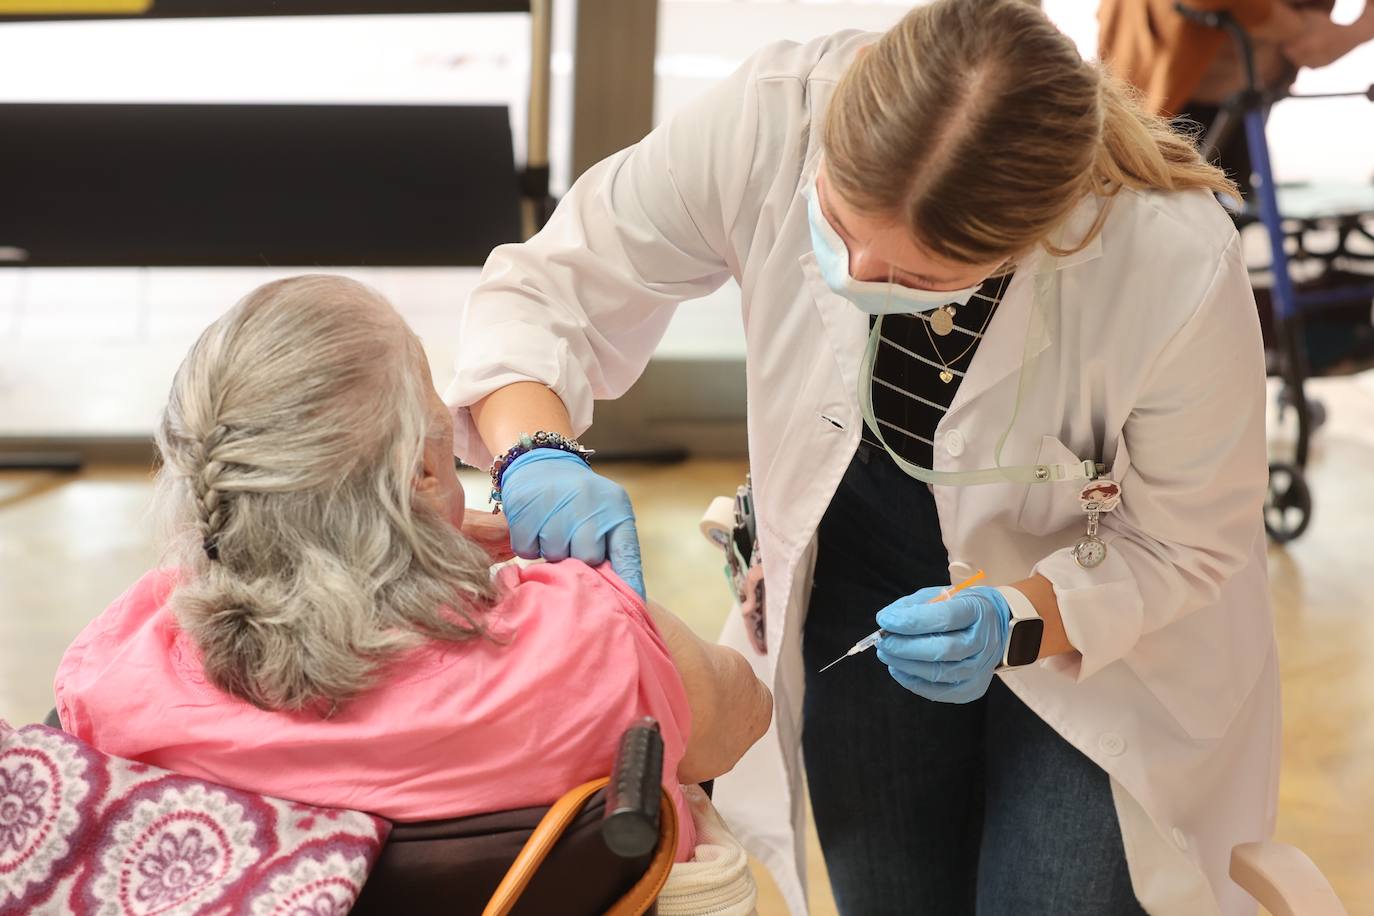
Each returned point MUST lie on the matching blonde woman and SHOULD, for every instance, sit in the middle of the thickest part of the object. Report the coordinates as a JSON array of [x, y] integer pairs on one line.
[[328, 630], [977, 283]]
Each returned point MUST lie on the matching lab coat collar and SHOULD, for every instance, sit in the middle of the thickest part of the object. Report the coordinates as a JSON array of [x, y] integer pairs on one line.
[[1019, 331], [1004, 345], [1070, 233]]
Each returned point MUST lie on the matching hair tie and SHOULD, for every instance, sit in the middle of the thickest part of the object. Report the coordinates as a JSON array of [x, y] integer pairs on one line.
[[211, 549]]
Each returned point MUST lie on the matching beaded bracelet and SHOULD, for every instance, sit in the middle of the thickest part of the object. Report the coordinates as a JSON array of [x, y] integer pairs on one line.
[[528, 443]]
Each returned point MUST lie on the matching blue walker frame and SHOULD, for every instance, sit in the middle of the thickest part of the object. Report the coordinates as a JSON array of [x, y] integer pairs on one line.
[[1288, 507]]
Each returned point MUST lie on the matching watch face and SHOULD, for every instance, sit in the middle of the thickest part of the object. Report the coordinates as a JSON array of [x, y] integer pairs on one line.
[[1089, 552], [1023, 643]]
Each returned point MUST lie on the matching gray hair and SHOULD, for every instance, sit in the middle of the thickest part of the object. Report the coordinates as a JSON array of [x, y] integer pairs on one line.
[[290, 447]]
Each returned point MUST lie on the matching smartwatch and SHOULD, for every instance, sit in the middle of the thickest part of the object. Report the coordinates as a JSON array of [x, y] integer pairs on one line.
[[1025, 631]]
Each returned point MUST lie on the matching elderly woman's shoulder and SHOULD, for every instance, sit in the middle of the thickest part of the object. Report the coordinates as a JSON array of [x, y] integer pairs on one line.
[[571, 583]]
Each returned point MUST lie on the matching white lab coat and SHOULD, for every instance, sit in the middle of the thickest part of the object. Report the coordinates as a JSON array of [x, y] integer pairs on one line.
[[1150, 362]]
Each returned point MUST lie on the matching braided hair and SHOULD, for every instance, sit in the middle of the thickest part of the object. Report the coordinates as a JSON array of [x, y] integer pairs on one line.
[[210, 504], [289, 448]]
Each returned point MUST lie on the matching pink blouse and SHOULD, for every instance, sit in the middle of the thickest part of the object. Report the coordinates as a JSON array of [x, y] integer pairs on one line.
[[451, 729]]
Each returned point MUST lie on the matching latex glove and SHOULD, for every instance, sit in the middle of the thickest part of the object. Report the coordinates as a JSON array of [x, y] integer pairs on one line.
[[558, 507], [946, 651]]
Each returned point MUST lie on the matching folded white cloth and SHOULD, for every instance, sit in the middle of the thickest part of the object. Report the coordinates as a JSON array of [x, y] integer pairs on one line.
[[717, 881]]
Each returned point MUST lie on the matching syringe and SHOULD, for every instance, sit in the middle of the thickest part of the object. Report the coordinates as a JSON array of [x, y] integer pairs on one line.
[[871, 639]]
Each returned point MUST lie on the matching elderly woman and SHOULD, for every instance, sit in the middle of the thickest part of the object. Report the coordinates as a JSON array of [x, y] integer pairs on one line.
[[327, 633]]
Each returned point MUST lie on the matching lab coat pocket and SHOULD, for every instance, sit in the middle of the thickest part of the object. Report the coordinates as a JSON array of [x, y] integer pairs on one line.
[[1052, 505]]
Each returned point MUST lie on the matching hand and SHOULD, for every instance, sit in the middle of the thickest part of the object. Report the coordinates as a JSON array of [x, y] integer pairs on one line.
[[1323, 42], [490, 532], [948, 650], [1284, 24], [558, 507]]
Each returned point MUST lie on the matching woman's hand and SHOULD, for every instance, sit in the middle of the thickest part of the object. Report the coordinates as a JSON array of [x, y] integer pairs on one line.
[[1323, 42], [558, 507], [1283, 24], [946, 650], [490, 532]]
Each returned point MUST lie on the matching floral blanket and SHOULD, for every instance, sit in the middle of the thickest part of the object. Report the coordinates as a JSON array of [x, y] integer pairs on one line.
[[84, 833]]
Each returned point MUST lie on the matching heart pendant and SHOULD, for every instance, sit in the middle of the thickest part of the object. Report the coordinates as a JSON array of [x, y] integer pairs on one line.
[[946, 376]]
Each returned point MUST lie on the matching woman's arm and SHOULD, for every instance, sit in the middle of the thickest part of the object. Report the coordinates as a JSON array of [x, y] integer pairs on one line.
[[1192, 489], [507, 413], [1040, 591], [731, 708], [580, 307]]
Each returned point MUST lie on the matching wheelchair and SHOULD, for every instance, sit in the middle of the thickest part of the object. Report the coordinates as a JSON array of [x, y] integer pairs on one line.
[[606, 846]]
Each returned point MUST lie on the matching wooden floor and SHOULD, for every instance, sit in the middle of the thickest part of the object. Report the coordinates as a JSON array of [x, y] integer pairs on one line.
[[68, 545]]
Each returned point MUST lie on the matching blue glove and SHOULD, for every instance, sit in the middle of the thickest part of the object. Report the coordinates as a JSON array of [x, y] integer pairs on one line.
[[558, 507], [946, 651]]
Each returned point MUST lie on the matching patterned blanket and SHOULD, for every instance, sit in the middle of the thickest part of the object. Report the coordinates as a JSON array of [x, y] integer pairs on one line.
[[84, 833]]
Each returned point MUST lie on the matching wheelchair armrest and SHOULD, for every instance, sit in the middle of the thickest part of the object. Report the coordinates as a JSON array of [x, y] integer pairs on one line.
[[632, 797], [1283, 880]]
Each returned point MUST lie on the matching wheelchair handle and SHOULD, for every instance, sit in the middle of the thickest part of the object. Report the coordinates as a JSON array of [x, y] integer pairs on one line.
[[630, 827]]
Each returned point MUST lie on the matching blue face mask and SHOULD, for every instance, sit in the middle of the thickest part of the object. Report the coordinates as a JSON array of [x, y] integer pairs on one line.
[[832, 257]]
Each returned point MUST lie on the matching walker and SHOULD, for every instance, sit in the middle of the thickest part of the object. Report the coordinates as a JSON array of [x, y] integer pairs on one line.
[[1343, 275]]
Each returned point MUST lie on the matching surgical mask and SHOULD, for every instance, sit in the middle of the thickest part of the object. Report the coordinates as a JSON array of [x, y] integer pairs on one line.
[[832, 257]]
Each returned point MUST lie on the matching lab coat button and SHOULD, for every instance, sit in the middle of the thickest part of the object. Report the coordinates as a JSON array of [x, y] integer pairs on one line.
[[1112, 744], [1180, 840], [954, 443]]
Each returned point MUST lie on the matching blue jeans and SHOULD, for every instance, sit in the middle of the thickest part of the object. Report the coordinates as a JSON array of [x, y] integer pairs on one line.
[[927, 807]]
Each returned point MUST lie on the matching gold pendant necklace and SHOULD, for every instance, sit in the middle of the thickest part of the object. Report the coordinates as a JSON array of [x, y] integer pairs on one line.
[[947, 374], [942, 320]]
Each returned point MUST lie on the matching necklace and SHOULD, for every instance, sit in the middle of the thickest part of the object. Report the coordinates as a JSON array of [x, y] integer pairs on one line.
[[942, 320], [946, 375]]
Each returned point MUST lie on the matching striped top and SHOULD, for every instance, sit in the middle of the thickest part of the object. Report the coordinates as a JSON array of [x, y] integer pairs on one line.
[[909, 397]]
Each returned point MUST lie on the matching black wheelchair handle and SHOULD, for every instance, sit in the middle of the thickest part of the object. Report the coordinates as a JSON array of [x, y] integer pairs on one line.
[[630, 828]]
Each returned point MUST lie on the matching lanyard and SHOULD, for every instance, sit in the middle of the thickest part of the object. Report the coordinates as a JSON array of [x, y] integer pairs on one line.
[[1026, 473]]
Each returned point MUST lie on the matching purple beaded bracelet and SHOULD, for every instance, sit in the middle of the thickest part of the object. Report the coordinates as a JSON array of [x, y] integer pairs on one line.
[[528, 443]]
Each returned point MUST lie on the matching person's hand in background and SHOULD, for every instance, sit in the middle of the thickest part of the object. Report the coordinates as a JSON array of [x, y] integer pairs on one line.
[[1324, 42], [1284, 24]]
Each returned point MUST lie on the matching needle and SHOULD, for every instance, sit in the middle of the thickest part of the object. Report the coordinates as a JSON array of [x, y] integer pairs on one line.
[[871, 639]]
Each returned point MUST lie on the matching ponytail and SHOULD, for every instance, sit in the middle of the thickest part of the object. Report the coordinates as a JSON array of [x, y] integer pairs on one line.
[[1143, 152]]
